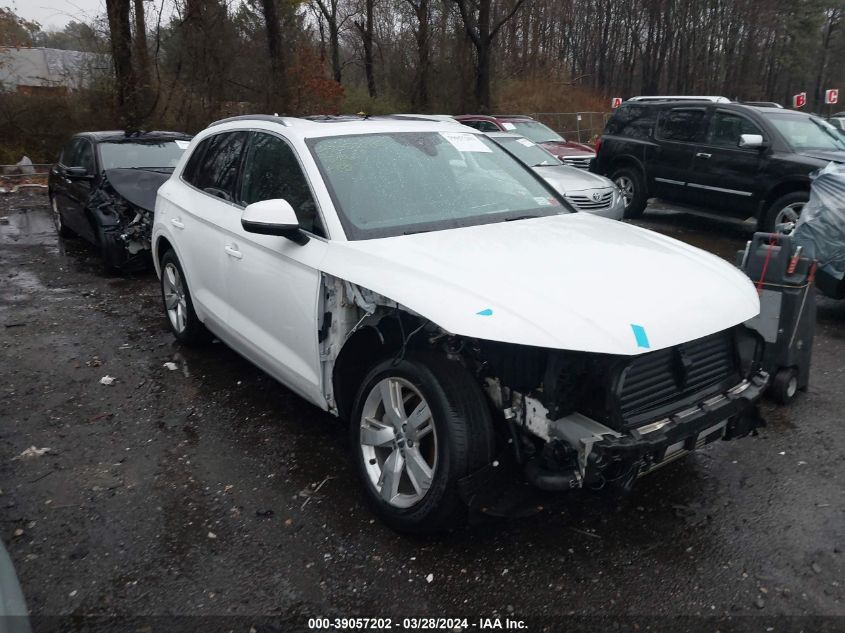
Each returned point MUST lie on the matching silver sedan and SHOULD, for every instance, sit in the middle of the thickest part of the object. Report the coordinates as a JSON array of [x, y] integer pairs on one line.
[[586, 191]]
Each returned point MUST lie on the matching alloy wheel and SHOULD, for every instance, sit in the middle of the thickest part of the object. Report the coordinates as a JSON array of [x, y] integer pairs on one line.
[[787, 218], [626, 186], [398, 442], [57, 216], [174, 298]]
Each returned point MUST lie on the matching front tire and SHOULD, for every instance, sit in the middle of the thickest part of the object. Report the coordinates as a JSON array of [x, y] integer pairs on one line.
[[178, 306], [632, 185], [419, 426]]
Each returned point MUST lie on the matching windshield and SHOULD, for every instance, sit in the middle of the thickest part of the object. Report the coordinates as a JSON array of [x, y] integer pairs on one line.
[[527, 151], [408, 182], [806, 132], [533, 130], [161, 154]]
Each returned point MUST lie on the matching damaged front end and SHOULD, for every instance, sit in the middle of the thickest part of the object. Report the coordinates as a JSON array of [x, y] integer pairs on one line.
[[123, 207], [565, 419], [591, 420]]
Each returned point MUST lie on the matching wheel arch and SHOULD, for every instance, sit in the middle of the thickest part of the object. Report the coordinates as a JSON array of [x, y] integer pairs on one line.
[[781, 189], [365, 348]]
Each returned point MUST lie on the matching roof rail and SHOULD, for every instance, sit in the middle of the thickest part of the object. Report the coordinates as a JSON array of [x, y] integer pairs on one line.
[[272, 118]]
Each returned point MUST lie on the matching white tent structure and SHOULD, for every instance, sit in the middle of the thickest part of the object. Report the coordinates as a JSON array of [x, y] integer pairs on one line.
[[31, 70]]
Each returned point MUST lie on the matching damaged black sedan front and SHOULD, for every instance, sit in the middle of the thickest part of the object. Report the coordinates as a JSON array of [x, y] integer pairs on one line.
[[103, 189]]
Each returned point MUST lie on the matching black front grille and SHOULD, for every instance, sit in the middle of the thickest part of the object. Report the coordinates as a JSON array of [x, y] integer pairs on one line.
[[654, 381]]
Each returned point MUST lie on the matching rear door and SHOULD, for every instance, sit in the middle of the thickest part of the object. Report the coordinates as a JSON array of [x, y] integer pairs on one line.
[[59, 180], [78, 190], [678, 132], [725, 175], [203, 218]]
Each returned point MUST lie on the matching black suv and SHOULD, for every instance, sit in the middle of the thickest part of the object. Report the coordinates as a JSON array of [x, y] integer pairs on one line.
[[736, 159]]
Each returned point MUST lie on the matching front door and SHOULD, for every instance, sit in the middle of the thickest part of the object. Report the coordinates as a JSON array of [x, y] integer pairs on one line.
[[677, 133], [725, 174], [273, 284]]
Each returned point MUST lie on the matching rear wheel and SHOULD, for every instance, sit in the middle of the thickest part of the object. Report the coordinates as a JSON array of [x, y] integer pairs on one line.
[[58, 220], [783, 213], [178, 306], [419, 426], [632, 185]]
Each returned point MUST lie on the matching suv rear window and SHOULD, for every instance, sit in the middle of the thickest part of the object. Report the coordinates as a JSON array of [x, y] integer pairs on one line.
[[682, 124], [632, 121], [214, 165]]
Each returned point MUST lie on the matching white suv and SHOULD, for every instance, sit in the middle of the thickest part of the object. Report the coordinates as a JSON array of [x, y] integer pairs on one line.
[[459, 313]]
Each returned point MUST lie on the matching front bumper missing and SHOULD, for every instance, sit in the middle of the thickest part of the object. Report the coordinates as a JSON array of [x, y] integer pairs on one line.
[[602, 456], [727, 416]]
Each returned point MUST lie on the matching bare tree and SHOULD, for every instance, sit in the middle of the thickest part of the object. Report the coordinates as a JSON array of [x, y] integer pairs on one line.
[[142, 58], [365, 29], [329, 10], [277, 86], [126, 93], [422, 11], [481, 28]]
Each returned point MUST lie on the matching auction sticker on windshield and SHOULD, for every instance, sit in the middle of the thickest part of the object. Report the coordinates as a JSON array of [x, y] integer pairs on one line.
[[183, 144], [465, 142], [509, 126], [526, 142]]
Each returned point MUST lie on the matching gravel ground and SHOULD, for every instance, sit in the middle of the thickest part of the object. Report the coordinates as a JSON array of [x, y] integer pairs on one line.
[[192, 492]]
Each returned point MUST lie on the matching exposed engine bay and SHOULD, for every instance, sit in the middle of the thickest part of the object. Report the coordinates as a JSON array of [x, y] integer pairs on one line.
[[568, 419]]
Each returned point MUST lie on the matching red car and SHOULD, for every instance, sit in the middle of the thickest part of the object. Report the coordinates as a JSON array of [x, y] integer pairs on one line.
[[571, 153]]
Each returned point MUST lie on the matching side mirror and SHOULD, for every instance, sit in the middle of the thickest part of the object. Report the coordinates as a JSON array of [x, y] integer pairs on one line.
[[751, 141], [77, 172], [273, 217]]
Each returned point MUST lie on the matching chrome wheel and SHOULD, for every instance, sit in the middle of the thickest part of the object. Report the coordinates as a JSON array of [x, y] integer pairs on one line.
[[626, 186], [174, 298], [787, 218], [57, 216], [398, 442]]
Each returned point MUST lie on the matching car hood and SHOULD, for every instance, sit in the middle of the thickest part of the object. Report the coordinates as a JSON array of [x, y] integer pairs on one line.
[[138, 186], [571, 281], [567, 148], [836, 157], [565, 179]]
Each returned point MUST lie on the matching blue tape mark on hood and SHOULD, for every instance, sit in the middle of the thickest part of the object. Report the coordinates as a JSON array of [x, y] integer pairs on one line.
[[641, 336], [485, 312]]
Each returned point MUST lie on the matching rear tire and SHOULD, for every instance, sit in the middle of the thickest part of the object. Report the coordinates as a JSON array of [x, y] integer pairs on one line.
[[58, 220], [784, 387], [632, 184], [446, 435], [178, 305], [784, 212]]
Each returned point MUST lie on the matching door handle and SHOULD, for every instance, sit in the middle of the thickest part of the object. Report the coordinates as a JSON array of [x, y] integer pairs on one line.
[[177, 223], [232, 251], [703, 155]]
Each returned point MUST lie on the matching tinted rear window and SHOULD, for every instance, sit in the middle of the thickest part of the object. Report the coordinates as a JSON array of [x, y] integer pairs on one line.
[[682, 124], [632, 121], [216, 172]]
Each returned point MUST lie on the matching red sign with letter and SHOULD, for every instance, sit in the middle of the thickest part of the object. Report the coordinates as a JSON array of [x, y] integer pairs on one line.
[[831, 96], [799, 100], [615, 102]]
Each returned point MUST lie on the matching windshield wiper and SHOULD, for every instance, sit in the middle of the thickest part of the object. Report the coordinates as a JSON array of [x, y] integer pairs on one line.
[[524, 217]]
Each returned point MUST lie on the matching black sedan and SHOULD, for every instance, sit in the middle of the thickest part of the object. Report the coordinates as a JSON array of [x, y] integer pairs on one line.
[[103, 189]]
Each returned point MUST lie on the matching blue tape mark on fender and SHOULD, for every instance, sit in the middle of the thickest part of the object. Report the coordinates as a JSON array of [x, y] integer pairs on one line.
[[640, 335], [485, 312]]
